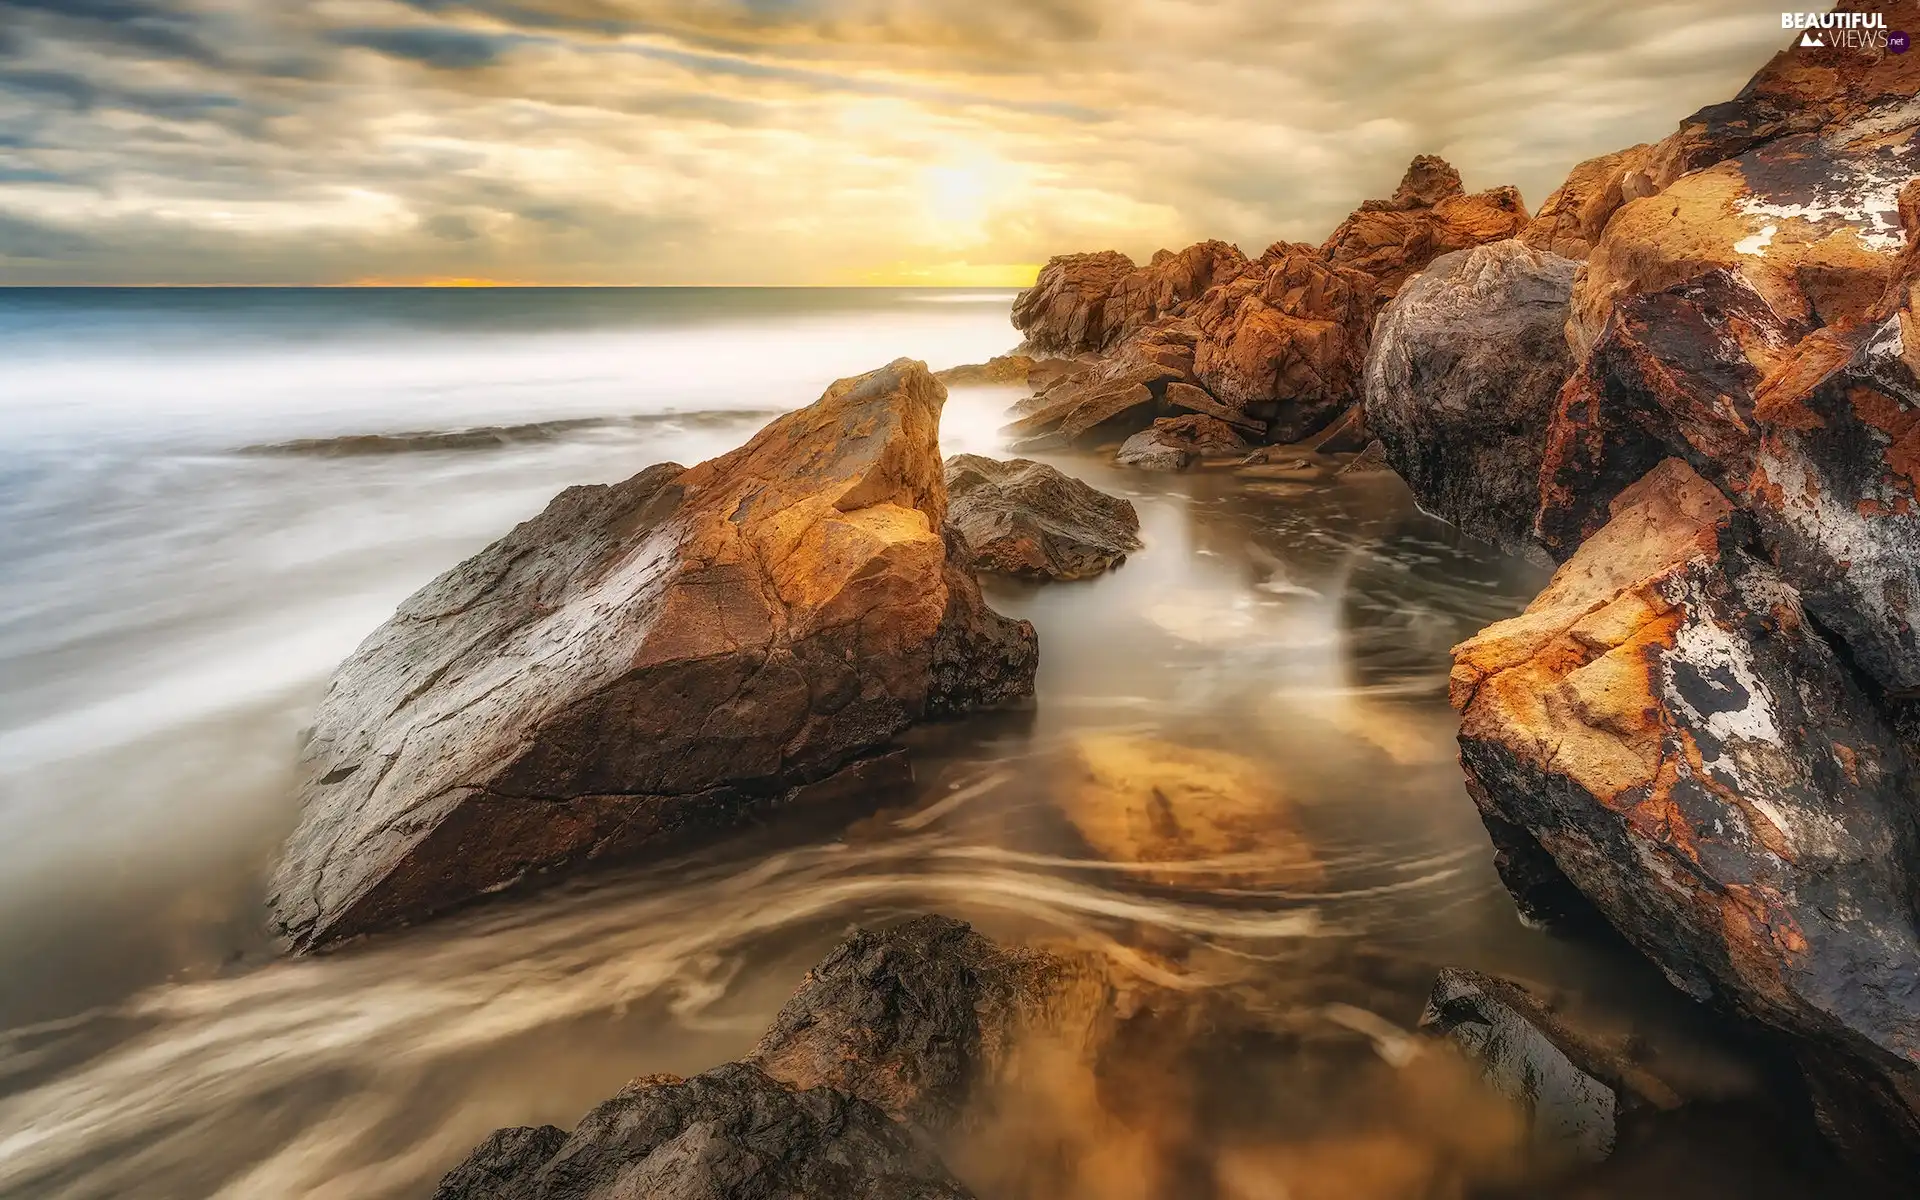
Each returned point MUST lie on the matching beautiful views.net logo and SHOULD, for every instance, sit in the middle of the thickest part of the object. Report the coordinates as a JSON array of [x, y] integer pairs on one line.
[[1846, 30]]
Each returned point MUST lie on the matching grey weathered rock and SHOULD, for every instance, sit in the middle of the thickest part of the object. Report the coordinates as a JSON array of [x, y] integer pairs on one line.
[[653, 660], [732, 1132], [1462, 378], [1028, 520]]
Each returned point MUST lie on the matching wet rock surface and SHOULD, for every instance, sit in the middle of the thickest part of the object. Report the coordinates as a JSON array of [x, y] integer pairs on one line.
[[652, 660], [1176, 443], [1030, 521], [1465, 369]]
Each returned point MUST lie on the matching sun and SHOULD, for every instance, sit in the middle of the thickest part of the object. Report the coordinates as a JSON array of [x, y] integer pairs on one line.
[[957, 195]]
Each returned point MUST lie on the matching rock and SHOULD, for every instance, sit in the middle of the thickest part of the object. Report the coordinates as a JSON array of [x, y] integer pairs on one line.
[[1348, 435], [1428, 216], [1187, 398], [1575, 1082], [914, 1020], [1064, 312], [1835, 474], [1371, 461], [1285, 342], [1001, 369], [650, 661], [1462, 378], [1674, 734], [1176, 443], [1030, 521], [1167, 285], [1672, 375], [1106, 401], [1189, 817], [1573, 218], [731, 1132]]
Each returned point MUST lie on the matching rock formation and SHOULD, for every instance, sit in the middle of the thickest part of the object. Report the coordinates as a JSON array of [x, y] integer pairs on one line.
[[1666, 726], [1430, 214], [1029, 521], [1176, 443], [1463, 375], [1065, 311], [655, 659], [1577, 212], [1106, 401]]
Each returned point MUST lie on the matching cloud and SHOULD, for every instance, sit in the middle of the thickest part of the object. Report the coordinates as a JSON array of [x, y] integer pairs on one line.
[[789, 141]]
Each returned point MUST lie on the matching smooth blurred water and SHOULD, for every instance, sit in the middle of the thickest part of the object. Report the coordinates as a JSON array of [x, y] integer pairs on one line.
[[197, 522]]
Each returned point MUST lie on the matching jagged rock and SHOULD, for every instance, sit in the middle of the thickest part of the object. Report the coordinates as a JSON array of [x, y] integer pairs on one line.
[[1835, 476], [1666, 725], [1462, 377], [1570, 223], [731, 1132], [1190, 817], [1168, 284], [1187, 398], [1176, 443], [916, 1019], [1106, 401], [1285, 342], [1030, 521], [1575, 1082], [655, 659], [1428, 216], [1064, 312]]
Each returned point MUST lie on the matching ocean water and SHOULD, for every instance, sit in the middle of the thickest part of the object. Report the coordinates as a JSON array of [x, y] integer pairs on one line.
[[207, 498]]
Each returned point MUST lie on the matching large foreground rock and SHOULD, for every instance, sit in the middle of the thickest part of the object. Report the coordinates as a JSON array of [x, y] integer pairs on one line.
[[733, 1132], [1029, 521], [1666, 728], [1462, 379], [657, 658]]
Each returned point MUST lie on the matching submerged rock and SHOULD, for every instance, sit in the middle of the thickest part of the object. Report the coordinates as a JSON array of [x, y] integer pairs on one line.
[[1028, 520], [1462, 378], [732, 1132], [1675, 735], [655, 659], [1176, 443]]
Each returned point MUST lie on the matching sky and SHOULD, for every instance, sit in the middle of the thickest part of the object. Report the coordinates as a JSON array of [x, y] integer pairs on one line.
[[949, 142]]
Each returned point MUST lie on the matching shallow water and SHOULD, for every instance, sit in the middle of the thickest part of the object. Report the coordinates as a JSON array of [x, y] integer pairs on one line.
[[207, 499]]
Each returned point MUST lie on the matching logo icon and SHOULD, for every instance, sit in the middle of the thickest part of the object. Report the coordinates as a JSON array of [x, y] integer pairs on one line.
[[1811, 39], [1898, 42]]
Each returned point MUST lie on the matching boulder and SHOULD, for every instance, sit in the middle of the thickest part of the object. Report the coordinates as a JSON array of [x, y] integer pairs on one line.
[[1666, 726], [1176, 443], [1575, 1081], [1028, 520], [732, 1132], [1105, 401], [914, 1020], [1285, 342], [1462, 378], [1429, 215], [649, 662], [1065, 311], [1570, 223]]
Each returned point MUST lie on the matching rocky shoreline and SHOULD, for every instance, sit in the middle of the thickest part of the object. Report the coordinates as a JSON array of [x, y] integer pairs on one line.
[[1691, 380]]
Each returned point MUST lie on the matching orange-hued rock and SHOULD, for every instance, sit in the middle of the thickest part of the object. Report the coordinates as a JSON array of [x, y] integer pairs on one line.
[[1065, 311], [1665, 729], [1573, 218], [1286, 341], [1168, 284], [1176, 443], [1104, 401], [1429, 215], [1031, 521], [657, 658]]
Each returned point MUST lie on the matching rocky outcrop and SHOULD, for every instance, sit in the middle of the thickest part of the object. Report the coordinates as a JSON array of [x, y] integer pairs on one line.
[[1429, 215], [916, 1019], [1285, 343], [1169, 283], [1065, 311], [1106, 401], [1176, 443], [1028, 520], [1462, 379], [731, 1132], [1009, 370], [1669, 729], [1575, 215], [652, 660]]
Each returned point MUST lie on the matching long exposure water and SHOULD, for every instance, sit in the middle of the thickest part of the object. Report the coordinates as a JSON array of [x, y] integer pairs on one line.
[[208, 498]]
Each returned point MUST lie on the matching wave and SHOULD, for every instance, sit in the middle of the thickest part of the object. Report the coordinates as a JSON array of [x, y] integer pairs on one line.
[[493, 437]]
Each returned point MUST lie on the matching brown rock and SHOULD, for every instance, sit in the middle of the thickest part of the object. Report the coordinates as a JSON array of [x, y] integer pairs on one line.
[[1168, 284], [1665, 725], [1021, 370], [1371, 461], [1348, 435], [1570, 223], [1106, 401], [1029, 521], [655, 659], [1428, 216], [1065, 311], [1185, 397], [1285, 342], [1176, 443]]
